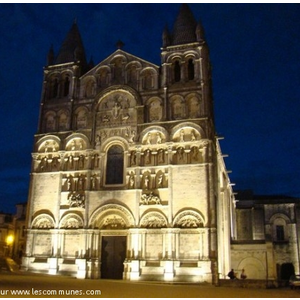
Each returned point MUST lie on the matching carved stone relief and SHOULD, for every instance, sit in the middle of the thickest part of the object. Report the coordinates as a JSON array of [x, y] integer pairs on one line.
[[76, 199], [71, 222], [155, 111], [43, 222], [153, 220], [113, 222], [188, 219], [48, 163], [116, 109], [148, 199], [74, 183]]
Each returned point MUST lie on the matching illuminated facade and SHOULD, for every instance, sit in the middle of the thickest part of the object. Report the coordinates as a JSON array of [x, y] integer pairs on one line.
[[128, 179]]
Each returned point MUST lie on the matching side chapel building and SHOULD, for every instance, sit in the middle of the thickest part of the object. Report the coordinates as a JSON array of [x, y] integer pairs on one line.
[[128, 179]]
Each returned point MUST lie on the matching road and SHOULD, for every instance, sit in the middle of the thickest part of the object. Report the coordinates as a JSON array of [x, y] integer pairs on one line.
[[26, 285]]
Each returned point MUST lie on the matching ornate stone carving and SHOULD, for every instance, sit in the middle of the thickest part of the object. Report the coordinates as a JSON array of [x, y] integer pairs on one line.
[[188, 219], [71, 222], [113, 222], [148, 199], [43, 222], [76, 199], [153, 220]]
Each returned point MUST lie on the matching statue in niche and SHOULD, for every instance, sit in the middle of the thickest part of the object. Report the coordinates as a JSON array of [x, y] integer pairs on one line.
[[55, 163], [148, 157], [181, 135], [95, 161], [81, 162], [147, 182], [131, 180], [44, 164], [180, 153], [160, 156], [148, 141], [193, 136], [160, 181], [116, 109], [73, 146], [93, 182], [69, 183], [158, 138], [80, 184], [70, 160], [133, 158]]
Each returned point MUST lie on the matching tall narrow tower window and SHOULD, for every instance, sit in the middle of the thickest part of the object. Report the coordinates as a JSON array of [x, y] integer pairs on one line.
[[114, 165], [177, 71], [54, 88], [191, 70], [66, 86]]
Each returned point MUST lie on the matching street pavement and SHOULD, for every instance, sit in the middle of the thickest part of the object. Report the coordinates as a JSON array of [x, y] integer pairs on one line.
[[18, 284]]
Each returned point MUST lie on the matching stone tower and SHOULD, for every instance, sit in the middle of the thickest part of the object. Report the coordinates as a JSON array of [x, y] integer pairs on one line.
[[128, 179]]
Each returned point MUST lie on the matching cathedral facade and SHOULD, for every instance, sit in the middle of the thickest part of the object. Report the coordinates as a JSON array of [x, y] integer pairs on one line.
[[128, 179]]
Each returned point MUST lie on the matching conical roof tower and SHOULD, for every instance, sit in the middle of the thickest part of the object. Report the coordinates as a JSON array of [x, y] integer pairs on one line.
[[72, 49], [184, 30]]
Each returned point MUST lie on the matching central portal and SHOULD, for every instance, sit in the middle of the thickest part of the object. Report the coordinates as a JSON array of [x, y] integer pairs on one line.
[[113, 254]]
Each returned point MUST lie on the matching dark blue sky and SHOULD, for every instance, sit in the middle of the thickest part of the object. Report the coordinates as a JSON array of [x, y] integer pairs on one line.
[[255, 54]]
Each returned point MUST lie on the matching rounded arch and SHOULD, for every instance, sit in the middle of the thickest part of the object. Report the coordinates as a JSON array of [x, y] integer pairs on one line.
[[118, 57], [154, 135], [71, 220], [154, 109], [253, 267], [153, 219], [187, 131], [77, 141], [81, 117], [111, 216], [174, 57], [49, 143], [50, 122], [189, 218], [63, 117], [279, 216], [115, 140], [43, 220], [124, 95], [133, 63]]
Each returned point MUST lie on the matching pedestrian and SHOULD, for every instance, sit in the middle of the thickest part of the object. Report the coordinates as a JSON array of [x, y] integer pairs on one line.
[[231, 274], [243, 274]]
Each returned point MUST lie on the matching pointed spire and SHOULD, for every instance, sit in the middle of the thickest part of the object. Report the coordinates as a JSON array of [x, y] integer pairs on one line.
[[184, 30], [72, 48]]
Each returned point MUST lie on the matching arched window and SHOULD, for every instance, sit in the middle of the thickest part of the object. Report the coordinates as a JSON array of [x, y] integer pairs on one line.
[[177, 71], [54, 88], [66, 86], [191, 70], [115, 165]]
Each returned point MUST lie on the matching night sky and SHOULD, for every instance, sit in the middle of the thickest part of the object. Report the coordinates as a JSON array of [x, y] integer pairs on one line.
[[255, 55]]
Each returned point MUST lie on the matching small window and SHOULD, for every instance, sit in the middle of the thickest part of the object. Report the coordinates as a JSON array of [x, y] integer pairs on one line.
[[191, 71], [279, 233], [115, 165], [177, 71]]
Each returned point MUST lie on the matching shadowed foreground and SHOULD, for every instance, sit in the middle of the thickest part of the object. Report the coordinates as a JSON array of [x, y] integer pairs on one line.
[[45, 286]]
